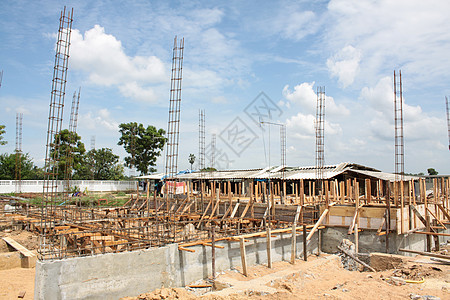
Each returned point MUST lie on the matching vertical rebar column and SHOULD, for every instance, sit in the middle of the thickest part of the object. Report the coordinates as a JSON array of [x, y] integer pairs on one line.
[[213, 151], [283, 157], [201, 139], [201, 150], [448, 120], [92, 142], [18, 173], [173, 130], [1, 78], [72, 141], [398, 118], [91, 158], [54, 128], [320, 137]]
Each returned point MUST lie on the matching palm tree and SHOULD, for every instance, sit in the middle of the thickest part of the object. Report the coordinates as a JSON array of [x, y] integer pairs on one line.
[[191, 159]]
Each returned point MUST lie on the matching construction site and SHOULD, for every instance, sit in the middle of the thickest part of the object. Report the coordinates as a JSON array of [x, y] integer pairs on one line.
[[206, 224]]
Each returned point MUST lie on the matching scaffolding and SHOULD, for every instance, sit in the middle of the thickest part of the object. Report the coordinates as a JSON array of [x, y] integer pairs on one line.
[[212, 161], [173, 130], [201, 139], [92, 142], [320, 137], [72, 141], [398, 119], [18, 171], [448, 121], [49, 200]]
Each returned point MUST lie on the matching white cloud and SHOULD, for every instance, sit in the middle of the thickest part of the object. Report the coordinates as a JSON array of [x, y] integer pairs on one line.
[[292, 21], [102, 56], [301, 126], [219, 100], [102, 119], [304, 95], [134, 90], [413, 34], [345, 65], [417, 124]]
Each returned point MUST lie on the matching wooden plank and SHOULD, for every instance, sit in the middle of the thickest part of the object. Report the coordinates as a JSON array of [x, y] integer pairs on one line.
[[294, 232], [432, 233], [426, 253], [444, 211], [234, 210], [269, 247], [437, 219], [185, 249], [24, 251], [421, 218], [243, 256], [352, 225], [356, 259], [325, 212]]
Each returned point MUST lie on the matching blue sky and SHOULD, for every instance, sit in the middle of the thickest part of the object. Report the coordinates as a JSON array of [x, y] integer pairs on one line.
[[121, 54]]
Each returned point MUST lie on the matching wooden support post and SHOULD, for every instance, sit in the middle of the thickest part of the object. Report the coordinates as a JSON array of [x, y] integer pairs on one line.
[[243, 256], [305, 244], [213, 253], [428, 226], [272, 200], [309, 190], [241, 188], [342, 191], [230, 195], [356, 240], [296, 192], [269, 247], [294, 235], [313, 230], [388, 215], [302, 192]]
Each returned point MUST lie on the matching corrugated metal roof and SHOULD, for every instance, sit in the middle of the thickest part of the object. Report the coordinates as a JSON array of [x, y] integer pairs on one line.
[[156, 176], [383, 175], [291, 173]]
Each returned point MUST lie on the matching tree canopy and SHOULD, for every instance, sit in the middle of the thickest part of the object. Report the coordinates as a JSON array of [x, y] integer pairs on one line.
[[2, 132], [100, 164], [27, 168], [144, 145], [69, 142], [432, 171]]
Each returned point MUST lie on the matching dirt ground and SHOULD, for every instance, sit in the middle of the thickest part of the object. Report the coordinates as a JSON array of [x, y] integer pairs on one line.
[[15, 281], [322, 278], [319, 278], [25, 238]]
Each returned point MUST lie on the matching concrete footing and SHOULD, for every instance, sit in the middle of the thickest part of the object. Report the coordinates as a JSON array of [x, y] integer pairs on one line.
[[111, 276]]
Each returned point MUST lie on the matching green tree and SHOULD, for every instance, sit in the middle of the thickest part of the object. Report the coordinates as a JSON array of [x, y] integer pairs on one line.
[[27, 168], [2, 132], [144, 145], [191, 159], [69, 142], [100, 164], [432, 171]]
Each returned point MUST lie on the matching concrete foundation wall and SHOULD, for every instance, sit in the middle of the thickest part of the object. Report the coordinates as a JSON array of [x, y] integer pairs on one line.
[[369, 241], [111, 276]]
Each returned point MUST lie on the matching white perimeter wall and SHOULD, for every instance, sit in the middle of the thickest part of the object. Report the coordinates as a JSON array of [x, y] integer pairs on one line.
[[36, 186]]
